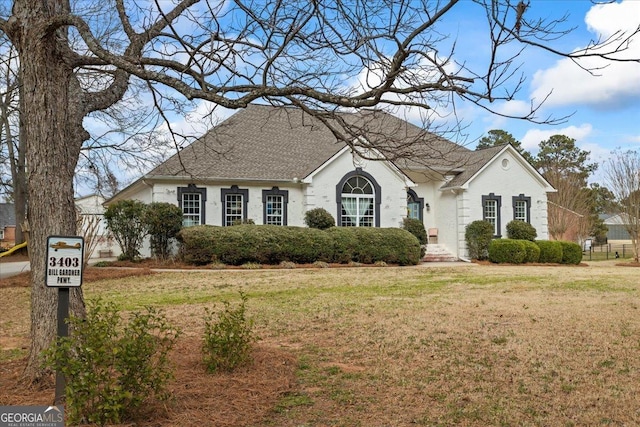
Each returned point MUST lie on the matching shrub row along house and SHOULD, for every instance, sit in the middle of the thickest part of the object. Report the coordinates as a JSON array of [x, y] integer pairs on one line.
[[272, 164]]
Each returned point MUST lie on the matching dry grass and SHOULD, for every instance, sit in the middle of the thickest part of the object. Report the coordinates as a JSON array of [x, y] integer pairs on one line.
[[470, 346]]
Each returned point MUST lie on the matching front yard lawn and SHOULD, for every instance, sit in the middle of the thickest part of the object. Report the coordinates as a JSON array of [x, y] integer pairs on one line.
[[477, 345]]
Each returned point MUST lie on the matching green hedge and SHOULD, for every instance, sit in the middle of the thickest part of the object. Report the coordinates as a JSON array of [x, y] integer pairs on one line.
[[478, 236], [550, 251], [507, 251], [521, 230], [416, 227], [532, 251], [571, 253], [270, 244], [370, 245]]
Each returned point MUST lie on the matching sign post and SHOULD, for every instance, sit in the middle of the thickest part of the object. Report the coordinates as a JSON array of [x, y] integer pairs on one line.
[[64, 264]]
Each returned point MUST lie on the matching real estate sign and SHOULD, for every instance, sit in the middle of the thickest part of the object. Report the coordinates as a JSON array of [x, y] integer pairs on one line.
[[65, 255]]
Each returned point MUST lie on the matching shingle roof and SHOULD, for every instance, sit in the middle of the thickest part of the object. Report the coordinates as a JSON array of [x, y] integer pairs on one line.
[[7, 215], [475, 161], [263, 142]]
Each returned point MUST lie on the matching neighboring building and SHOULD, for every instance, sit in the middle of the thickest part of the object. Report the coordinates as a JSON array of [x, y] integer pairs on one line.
[[97, 238], [7, 225], [617, 232], [272, 164]]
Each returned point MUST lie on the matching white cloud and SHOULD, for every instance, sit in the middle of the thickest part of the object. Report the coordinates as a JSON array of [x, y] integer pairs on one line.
[[533, 137], [508, 108], [615, 84]]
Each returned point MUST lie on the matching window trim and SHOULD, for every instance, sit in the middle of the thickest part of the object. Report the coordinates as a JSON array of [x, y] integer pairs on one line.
[[498, 199], [416, 199], [527, 200], [275, 191], [192, 189], [234, 190], [377, 196]]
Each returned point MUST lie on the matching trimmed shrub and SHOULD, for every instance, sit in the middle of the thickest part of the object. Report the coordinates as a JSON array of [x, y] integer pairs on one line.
[[369, 245], [112, 369], [571, 253], [550, 251], [319, 218], [248, 221], [532, 251], [415, 227], [478, 235], [196, 244], [163, 220], [263, 244], [507, 251], [521, 230], [271, 244]]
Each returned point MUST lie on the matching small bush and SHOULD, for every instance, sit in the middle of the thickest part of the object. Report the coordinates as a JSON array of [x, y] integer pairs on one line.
[[571, 253], [550, 251], [321, 264], [532, 251], [319, 218], [102, 264], [415, 227], [478, 235], [111, 370], [521, 230], [228, 337], [287, 265], [507, 251], [163, 221], [251, 266], [125, 221]]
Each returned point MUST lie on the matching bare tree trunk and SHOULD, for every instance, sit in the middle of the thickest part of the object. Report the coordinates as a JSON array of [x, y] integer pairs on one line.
[[20, 200], [52, 151], [19, 176]]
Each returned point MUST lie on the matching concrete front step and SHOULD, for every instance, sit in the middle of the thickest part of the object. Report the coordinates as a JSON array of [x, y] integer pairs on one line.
[[438, 253]]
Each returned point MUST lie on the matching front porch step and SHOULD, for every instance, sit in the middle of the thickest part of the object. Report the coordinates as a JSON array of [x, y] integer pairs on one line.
[[438, 253]]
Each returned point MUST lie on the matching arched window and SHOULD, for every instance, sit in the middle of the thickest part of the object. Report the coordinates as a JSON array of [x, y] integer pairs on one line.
[[358, 198]]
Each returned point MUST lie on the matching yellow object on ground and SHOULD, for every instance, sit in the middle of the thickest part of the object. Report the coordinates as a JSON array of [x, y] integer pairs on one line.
[[13, 249]]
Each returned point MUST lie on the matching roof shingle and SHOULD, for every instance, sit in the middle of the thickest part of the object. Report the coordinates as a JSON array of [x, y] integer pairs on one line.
[[263, 142]]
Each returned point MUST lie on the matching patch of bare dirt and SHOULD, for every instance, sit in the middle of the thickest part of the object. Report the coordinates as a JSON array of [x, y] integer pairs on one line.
[[90, 274], [245, 397], [628, 264]]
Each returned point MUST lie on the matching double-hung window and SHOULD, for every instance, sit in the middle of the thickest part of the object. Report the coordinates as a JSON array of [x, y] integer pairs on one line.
[[234, 205], [522, 208], [274, 202], [192, 201], [491, 205]]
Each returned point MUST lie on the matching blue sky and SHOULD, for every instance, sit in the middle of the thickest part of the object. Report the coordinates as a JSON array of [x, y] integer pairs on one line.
[[604, 110]]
